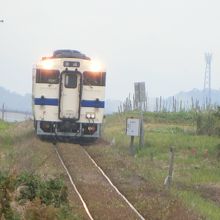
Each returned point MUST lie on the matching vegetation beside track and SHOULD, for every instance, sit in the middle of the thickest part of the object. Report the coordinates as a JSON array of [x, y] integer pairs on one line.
[[195, 138], [31, 187], [195, 192]]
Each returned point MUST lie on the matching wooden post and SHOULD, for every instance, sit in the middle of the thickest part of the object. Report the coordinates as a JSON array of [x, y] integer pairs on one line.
[[157, 105], [3, 112], [146, 101], [141, 138], [193, 106], [132, 150], [160, 104], [169, 178]]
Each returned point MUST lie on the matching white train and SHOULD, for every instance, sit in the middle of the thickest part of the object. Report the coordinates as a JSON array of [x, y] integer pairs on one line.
[[68, 95]]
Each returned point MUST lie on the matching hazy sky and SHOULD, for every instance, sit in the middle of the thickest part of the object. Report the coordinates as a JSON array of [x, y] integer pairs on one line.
[[161, 42]]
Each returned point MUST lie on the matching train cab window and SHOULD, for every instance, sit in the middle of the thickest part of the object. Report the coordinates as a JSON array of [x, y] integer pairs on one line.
[[94, 78], [47, 76], [70, 81]]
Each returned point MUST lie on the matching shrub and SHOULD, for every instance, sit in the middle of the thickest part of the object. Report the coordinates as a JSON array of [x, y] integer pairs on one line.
[[26, 187], [7, 183], [208, 123], [50, 192]]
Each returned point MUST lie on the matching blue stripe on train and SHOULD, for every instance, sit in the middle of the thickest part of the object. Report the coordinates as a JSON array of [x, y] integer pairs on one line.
[[93, 103], [46, 101], [55, 102]]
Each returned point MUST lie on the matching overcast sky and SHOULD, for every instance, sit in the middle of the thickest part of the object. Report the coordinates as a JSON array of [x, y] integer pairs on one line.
[[161, 42]]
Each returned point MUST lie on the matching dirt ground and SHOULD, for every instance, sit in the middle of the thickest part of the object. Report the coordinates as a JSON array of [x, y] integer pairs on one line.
[[211, 192], [153, 202], [101, 198]]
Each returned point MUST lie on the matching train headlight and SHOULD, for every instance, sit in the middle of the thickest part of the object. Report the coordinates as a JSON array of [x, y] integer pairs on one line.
[[96, 66], [47, 64], [90, 115]]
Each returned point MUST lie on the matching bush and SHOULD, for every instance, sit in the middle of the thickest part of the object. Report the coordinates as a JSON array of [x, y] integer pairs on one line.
[[7, 185], [170, 117], [50, 192], [208, 123], [47, 198], [35, 211]]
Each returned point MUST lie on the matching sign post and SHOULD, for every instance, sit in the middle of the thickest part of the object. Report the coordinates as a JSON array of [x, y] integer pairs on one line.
[[140, 93], [132, 130], [140, 98]]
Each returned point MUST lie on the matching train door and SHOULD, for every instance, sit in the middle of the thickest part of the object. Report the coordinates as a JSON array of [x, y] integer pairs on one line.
[[70, 92]]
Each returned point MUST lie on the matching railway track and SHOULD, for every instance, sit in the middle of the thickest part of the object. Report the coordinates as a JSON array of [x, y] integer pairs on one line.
[[100, 198]]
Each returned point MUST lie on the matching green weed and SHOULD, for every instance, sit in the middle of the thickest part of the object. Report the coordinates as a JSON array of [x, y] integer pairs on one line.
[[196, 158], [47, 196], [206, 208]]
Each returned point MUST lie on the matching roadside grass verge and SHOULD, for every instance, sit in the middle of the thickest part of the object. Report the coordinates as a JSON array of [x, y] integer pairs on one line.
[[207, 208], [4, 125], [5, 138], [196, 160], [27, 196], [31, 183]]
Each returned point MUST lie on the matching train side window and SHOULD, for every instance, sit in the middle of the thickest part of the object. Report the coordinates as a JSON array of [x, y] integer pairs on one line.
[[94, 78], [47, 76], [70, 81]]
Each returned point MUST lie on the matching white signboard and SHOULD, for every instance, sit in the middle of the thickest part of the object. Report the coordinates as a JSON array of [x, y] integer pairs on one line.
[[133, 127]]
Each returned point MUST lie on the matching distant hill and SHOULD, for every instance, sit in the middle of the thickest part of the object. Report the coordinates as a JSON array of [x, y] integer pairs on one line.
[[195, 96], [198, 95], [111, 106], [185, 97], [183, 100], [15, 101]]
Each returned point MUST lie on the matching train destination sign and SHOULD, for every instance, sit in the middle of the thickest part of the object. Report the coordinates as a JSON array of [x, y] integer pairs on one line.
[[133, 127], [71, 64]]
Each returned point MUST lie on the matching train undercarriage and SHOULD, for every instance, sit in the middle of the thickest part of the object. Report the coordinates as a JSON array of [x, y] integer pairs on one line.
[[67, 129]]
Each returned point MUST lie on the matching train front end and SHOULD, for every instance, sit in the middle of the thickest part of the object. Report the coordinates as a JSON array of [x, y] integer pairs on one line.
[[68, 95]]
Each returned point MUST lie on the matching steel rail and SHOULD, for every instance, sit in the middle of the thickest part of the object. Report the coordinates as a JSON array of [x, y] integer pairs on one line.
[[116, 189], [74, 186]]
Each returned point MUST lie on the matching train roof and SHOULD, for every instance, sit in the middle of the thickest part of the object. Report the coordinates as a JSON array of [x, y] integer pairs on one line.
[[69, 54]]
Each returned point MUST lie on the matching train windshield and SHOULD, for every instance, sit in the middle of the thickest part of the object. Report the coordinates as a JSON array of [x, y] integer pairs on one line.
[[70, 81], [94, 78], [47, 76]]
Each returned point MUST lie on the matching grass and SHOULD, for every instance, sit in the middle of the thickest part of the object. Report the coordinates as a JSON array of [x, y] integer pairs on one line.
[[3, 125], [205, 207], [196, 162], [5, 138], [196, 156], [43, 198]]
